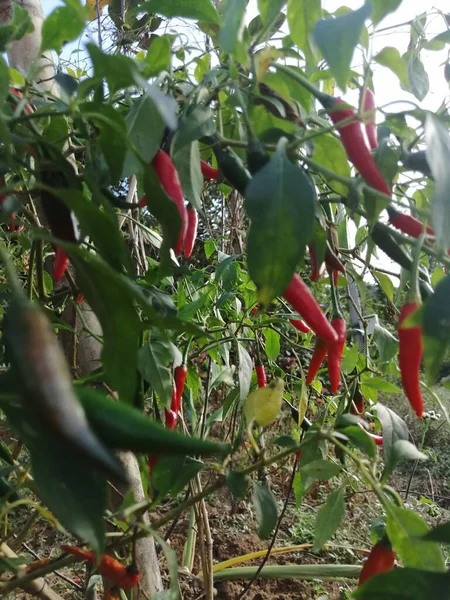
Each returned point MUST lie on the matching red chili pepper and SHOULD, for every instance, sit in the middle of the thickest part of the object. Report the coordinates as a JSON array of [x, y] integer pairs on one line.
[[357, 407], [180, 375], [152, 462], [355, 142], [410, 351], [208, 171], [407, 223], [369, 106], [320, 351], [378, 439], [80, 298], [171, 419], [380, 560], [332, 260], [122, 576], [300, 325], [170, 182], [335, 353], [332, 273], [261, 375], [28, 108], [301, 299], [12, 218], [61, 264], [316, 269], [191, 232]]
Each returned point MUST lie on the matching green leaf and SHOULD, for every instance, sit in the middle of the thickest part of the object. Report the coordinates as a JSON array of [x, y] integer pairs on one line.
[[201, 10], [381, 8], [436, 328], [71, 488], [154, 364], [272, 344], [320, 469], [159, 56], [187, 163], [270, 9], [440, 534], [245, 371], [302, 15], [63, 25], [343, 32], [170, 475], [113, 303], [237, 483], [386, 284], [405, 584], [394, 429], [232, 25], [380, 385], [280, 201], [266, 510], [390, 57], [404, 527], [198, 123], [438, 155], [359, 438], [112, 135], [329, 518], [145, 132], [418, 78], [330, 153], [386, 343], [21, 24], [118, 70], [350, 359], [4, 81]]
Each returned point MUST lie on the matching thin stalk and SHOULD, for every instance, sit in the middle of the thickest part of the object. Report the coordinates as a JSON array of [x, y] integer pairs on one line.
[[302, 572]]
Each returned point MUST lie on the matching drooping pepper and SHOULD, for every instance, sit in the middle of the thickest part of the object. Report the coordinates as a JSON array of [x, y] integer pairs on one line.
[[410, 343], [369, 106], [61, 264], [410, 351], [59, 217], [301, 299], [180, 375], [319, 354], [260, 374], [171, 418], [299, 325], [380, 560], [170, 182], [407, 223], [122, 576], [230, 165], [356, 145], [191, 231], [335, 349], [46, 383], [208, 171]]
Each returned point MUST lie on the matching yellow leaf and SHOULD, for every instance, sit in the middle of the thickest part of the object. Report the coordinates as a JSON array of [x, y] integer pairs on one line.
[[263, 59], [92, 5]]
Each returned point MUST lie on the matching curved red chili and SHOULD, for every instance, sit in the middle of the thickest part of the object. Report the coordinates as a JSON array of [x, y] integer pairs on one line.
[[410, 351], [170, 182], [357, 407], [171, 419], [61, 264], [122, 576], [369, 106], [319, 354], [355, 142], [335, 353], [191, 231], [407, 223], [302, 301], [380, 560], [208, 171], [261, 375], [300, 325], [179, 376]]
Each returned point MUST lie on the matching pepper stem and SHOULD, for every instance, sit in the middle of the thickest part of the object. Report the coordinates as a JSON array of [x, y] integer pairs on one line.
[[414, 292], [326, 100], [337, 312]]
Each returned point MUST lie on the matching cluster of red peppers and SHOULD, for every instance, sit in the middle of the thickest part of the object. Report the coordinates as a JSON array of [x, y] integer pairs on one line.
[[120, 575], [170, 182], [171, 414]]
